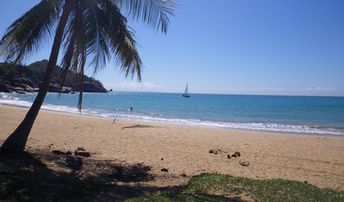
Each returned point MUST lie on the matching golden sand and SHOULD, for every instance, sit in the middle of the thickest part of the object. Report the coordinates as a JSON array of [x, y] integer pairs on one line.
[[182, 149]]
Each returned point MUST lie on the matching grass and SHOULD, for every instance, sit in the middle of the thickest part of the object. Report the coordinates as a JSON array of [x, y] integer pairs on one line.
[[182, 198], [213, 187], [263, 190], [26, 178]]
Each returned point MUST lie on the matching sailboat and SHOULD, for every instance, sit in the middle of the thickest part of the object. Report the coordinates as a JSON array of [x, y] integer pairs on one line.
[[186, 92]]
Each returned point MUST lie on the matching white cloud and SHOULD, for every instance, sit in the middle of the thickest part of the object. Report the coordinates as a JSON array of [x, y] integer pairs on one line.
[[320, 88]]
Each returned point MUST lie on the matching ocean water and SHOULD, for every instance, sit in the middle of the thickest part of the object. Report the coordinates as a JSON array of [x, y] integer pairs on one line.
[[286, 114]]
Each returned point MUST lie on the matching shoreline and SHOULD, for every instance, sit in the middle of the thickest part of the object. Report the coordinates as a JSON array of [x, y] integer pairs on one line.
[[185, 149], [175, 123]]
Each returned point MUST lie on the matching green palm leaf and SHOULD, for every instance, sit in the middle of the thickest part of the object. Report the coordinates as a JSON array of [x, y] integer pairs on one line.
[[26, 34], [152, 12]]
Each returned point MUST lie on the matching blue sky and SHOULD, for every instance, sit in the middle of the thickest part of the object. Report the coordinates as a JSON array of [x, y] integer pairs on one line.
[[275, 47]]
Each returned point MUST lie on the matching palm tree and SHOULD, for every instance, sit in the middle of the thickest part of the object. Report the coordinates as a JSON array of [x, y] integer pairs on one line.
[[90, 33]]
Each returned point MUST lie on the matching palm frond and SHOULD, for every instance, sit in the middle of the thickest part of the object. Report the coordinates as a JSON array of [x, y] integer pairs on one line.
[[120, 38], [67, 60], [69, 44], [152, 12], [103, 30], [95, 37], [81, 77], [26, 33]]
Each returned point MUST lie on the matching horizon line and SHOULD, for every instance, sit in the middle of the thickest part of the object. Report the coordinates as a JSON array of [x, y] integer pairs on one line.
[[206, 93]]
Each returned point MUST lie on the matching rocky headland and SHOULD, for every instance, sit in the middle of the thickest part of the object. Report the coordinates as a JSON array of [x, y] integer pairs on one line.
[[22, 79]]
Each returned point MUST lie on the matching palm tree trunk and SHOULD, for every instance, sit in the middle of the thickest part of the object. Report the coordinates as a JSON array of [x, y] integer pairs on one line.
[[17, 140]]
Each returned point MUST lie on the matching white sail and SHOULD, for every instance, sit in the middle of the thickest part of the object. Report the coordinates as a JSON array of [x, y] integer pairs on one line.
[[186, 92]]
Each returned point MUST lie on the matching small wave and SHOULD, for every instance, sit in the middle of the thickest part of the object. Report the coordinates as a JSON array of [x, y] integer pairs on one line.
[[270, 127], [11, 99], [8, 99]]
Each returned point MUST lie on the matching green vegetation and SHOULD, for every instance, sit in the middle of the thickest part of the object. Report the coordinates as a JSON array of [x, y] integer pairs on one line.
[[263, 190], [213, 187], [183, 197]]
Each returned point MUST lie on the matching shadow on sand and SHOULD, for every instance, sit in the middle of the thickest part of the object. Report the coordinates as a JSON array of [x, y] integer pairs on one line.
[[24, 176], [137, 126], [43, 176]]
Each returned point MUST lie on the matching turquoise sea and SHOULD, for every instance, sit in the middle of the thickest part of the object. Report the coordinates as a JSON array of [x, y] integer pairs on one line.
[[287, 114]]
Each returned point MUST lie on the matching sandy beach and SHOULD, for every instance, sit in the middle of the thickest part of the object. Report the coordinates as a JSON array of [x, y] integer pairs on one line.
[[182, 149]]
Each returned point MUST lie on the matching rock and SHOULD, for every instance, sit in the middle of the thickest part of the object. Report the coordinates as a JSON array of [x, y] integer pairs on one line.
[[183, 175], [22, 87], [18, 90], [80, 151], [164, 170], [23, 81], [25, 84], [56, 88], [90, 87], [70, 162], [216, 151], [30, 77], [244, 163], [66, 90], [229, 156], [50, 145], [162, 159], [236, 154], [53, 87], [58, 152], [6, 88], [28, 89]]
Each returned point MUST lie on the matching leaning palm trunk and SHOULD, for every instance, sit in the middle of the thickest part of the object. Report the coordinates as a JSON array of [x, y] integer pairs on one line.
[[17, 140]]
